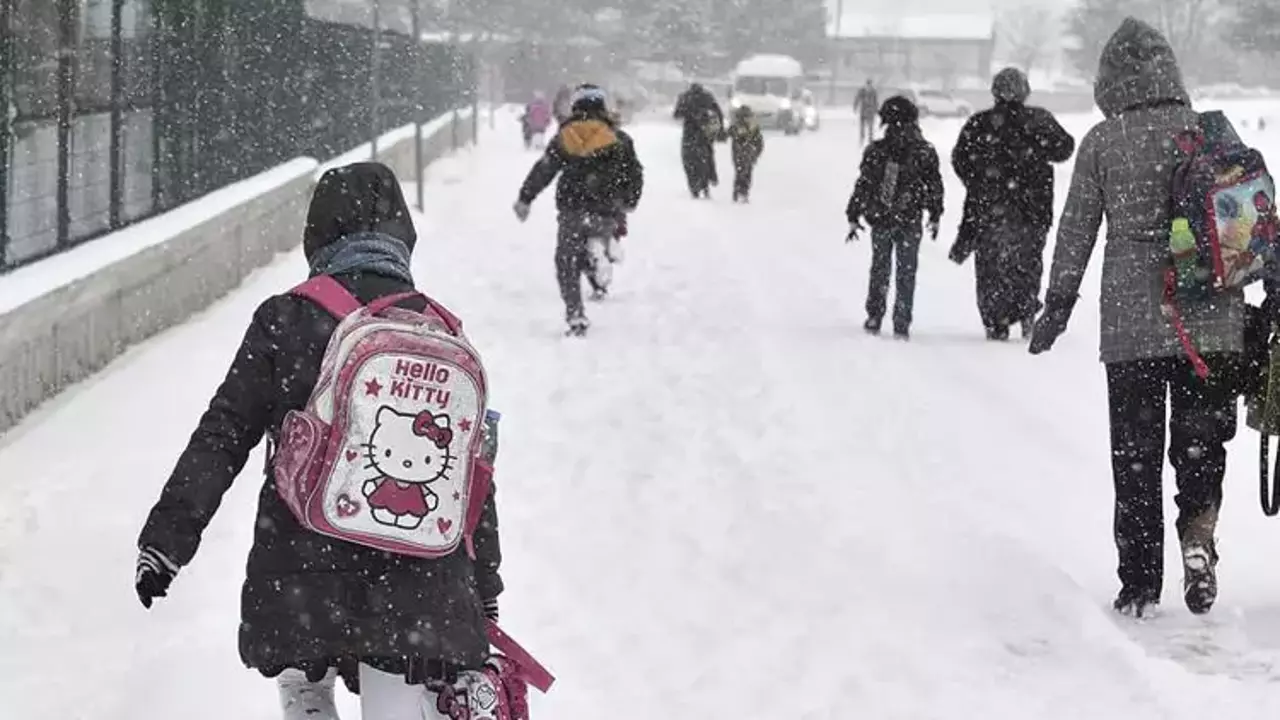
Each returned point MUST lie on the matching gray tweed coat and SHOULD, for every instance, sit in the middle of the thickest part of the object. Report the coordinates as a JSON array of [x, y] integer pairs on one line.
[[1123, 171]]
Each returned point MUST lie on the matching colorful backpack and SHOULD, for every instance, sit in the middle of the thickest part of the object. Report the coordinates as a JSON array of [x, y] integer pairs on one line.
[[386, 452], [1223, 235]]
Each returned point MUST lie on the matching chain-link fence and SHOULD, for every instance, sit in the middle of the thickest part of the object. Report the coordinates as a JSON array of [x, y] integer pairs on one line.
[[120, 109]]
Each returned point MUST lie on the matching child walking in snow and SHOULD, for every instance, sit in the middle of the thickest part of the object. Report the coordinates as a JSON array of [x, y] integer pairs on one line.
[[747, 143], [314, 606], [898, 182]]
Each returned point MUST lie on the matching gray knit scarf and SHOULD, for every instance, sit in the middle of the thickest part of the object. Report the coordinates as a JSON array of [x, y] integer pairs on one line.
[[366, 252]]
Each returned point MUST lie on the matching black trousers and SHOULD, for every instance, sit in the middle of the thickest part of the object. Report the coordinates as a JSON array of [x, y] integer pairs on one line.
[[573, 257], [1009, 268], [888, 244], [698, 154], [743, 172], [1202, 420]]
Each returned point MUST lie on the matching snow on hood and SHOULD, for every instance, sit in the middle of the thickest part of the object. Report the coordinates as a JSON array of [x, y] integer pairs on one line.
[[1137, 67]]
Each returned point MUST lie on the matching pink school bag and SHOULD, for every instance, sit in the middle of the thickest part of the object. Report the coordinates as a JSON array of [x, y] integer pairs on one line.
[[499, 691], [386, 453]]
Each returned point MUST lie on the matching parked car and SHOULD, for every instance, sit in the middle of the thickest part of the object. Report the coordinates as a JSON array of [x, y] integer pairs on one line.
[[936, 103], [809, 110]]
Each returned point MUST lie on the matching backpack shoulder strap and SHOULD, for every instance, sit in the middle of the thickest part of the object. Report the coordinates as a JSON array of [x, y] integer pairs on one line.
[[329, 294], [451, 321]]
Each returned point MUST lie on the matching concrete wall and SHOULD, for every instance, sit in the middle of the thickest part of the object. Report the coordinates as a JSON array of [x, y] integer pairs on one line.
[[184, 261]]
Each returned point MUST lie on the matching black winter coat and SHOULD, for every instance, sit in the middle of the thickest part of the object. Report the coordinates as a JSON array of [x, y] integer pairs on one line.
[[919, 187], [1004, 158], [598, 168], [699, 111], [310, 601]]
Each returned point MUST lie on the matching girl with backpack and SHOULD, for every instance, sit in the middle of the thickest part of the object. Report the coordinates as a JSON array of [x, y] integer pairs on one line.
[[1124, 172], [315, 605]]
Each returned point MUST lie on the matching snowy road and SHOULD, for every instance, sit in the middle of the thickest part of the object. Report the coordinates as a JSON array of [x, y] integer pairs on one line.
[[727, 501]]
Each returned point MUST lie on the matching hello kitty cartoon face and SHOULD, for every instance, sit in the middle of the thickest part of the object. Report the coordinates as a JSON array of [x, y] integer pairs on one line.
[[410, 448]]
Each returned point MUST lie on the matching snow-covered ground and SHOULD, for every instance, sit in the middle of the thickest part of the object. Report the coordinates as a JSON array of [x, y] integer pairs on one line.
[[728, 501]]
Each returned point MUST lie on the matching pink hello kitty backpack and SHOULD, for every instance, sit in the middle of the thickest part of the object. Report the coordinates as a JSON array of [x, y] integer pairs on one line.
[[386, 452]]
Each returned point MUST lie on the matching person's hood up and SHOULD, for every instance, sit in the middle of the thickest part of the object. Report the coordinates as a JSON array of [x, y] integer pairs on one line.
[[357, 199], [587, 136], [1137, 67]]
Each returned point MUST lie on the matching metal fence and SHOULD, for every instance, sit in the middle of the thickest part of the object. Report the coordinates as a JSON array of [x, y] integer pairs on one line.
[[121, 109]]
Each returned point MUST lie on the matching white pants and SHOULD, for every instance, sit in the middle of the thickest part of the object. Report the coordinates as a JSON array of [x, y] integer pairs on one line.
[[383, 696]]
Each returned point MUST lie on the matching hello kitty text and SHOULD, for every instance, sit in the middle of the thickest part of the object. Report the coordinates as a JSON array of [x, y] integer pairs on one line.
[[417, 380]]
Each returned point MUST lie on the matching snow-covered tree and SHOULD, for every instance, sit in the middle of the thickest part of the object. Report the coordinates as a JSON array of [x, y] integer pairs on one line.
[[1029, 34], [1193, 28]]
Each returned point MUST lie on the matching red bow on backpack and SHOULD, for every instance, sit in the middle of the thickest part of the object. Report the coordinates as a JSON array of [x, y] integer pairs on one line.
[[424, 425]]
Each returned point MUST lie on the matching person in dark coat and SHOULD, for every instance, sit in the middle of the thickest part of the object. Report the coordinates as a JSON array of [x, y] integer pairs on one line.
[[747, 144], [601, 180], [1123, 173], [703, 124], [311, 604], [1004, 158], [866, 104], [898, 183]]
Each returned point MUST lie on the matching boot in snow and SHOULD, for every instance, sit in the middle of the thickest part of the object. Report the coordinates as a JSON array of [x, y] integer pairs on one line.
[[301, 699], [578, 325], [901, 332], [998, 333], [872, 326], [1199, 563], [1137, 603]]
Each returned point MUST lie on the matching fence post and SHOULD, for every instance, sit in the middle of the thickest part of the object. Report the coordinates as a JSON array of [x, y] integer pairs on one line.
[[417, 116], [453, 127], [66, 78], [114, 152], [7, 111], [374, 98]]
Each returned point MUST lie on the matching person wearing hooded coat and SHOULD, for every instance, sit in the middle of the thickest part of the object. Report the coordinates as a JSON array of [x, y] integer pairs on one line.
[[898, 183], [601, 181], [313, 606], [1123, 171], [1004, 158], [703, 125]]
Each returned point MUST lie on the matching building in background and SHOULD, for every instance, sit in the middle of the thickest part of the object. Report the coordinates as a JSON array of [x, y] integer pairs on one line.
[[944, 51], [120, 109]]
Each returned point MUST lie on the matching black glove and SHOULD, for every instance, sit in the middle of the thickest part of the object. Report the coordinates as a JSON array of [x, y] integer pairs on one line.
[[1052, 323], [855, 227], [932, 226], [491, 609], [155, 572]]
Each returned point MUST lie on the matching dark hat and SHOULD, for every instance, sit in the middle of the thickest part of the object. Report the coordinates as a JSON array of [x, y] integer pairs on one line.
[[1011, 85], [898, 110], [361, 197], [590, 99]]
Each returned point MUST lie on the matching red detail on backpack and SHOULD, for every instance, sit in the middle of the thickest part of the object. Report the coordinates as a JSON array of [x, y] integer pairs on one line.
[[390, 383], [1184, 338], [499, 690], [526, 667]]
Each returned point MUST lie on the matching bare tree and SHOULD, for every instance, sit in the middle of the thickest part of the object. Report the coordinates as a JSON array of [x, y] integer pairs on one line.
[[1029, 32]]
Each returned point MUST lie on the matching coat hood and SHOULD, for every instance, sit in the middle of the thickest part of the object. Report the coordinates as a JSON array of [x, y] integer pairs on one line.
[[587, 136], [359, 198], [1137, 68]]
